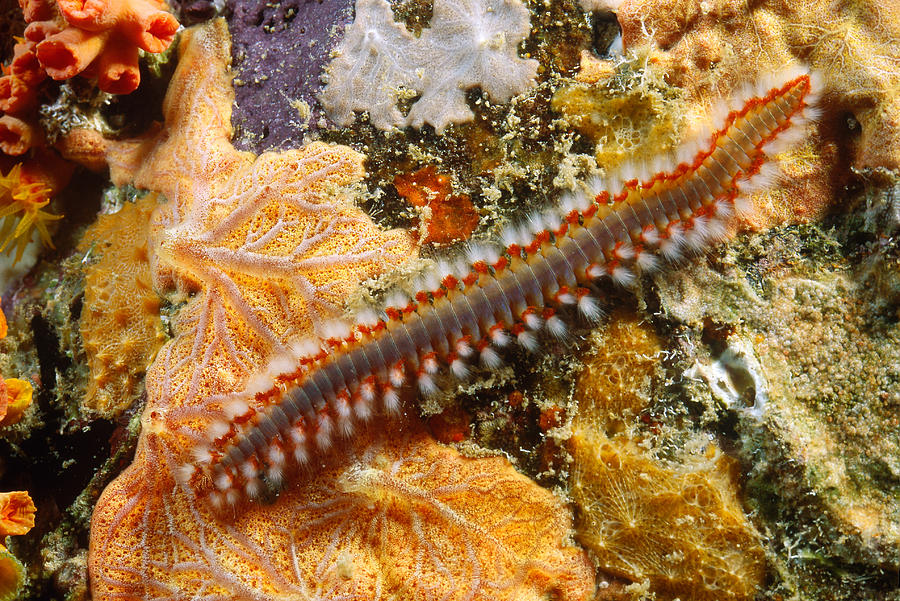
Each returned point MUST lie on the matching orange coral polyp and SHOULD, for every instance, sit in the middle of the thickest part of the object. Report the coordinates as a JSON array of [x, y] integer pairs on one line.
[[36, 10], [16, 513], [118, 67], [143, 22], [15, 95], [19, 394], [69, 52], [16, 135]]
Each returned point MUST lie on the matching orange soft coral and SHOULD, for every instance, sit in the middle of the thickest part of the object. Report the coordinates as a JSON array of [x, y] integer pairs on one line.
[[100, 38]]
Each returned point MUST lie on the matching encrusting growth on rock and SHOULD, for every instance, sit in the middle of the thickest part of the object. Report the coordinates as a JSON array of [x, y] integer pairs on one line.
[[120, 324], [680, 528]]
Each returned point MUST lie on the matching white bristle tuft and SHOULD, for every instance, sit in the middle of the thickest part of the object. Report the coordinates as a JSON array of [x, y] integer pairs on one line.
[[696, 235], [345, 424], [650, 235], [589, 308], [298, 435], [557, 327], [275, 455], [367, 317], [248, 469], [232, 497], [391, 401], [595, 185], [217, 429], [275, 474], [324, 430], [767, 177], [723, 210], [252, 488], [427, 385], [670, 249], [363, 410], [216, 499], [717, 229], [367, 392], [223, 481], [281, 364], [624, 251], [490, 358], [535, 223], [323, 440], [532, 321], [335, 328], [622, 276], [528, 341], [459, 368], [510, 235], [305, 348], [743, 206], [397, 375], [463, 348], [184, 473], [396, 299], [566, 298], [301, 456], [343, 408], [574, 201], [444, 268], [201, 454], [483, 252], [235, 407], [499, 337], [595, 271], [647, 262], [430, 365], [430, 282]]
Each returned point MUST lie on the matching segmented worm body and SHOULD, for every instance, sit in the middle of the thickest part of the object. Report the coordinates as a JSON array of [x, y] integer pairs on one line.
[[467, 311]]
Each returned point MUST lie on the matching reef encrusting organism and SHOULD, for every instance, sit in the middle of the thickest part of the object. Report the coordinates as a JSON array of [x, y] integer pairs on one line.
[[379, 64], [444, 217], [120, 323], [679, 528]]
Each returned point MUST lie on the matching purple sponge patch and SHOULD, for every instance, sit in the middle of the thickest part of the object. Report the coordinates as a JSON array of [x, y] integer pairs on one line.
[[280, 50]]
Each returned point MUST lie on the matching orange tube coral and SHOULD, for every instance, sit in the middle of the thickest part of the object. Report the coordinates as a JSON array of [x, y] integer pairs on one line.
[[143, 22], [36, 10], [15, 95], [16, 135], [118, 68], [69, 52], [99, 37]]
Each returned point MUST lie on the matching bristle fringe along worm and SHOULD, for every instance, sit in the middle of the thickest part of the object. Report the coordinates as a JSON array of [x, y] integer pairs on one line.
[[502, 295]]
